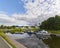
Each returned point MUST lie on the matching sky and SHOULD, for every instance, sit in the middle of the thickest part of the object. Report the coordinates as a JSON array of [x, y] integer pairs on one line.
[[12, 6], [27, 12]]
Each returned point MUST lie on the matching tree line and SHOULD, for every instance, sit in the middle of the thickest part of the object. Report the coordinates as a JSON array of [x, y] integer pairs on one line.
[[52, 23]]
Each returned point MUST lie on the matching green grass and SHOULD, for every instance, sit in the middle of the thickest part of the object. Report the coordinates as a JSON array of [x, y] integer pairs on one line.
[[7, 39], [53, 42], [54, 31]]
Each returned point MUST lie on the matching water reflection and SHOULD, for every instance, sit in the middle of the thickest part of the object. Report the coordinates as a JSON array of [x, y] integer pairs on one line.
[[18, 36]]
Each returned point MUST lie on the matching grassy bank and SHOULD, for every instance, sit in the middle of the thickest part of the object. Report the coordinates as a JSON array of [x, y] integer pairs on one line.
[[53, 42], [54, 31], [6, 38]]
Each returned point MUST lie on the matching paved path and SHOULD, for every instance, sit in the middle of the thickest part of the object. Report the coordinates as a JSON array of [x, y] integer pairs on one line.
[[3, 44]]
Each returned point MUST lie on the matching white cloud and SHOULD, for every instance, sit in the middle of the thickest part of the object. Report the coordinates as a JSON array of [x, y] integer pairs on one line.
[[37, 11], [40, 10], [7, 20]]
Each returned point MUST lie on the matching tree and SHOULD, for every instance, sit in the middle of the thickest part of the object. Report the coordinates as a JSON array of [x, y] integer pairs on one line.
[[52, 23], [1, 26]]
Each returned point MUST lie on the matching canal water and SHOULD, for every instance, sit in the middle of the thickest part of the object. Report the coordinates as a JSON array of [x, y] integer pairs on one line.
[[27, 40], [18, 36]]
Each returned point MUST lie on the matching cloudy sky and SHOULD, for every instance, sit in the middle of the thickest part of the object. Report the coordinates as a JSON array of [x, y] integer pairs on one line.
[[27, 12]]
